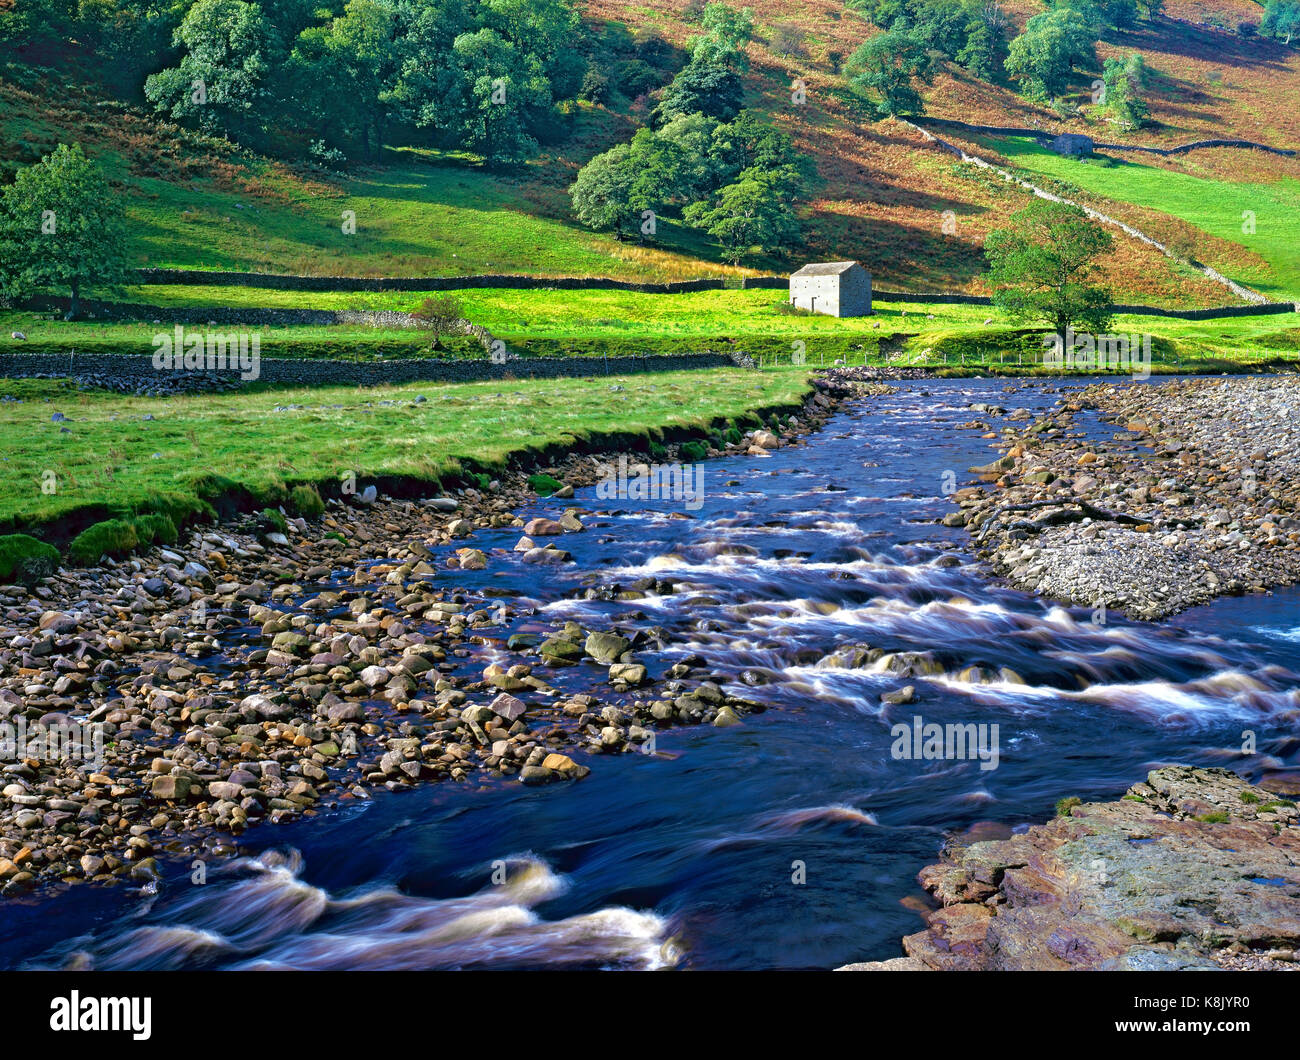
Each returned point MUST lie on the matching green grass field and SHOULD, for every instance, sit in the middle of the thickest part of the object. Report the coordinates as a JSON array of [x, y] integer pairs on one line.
[[340, 342], [592, 323], [1214, 206], [413, 217], [112, 460]]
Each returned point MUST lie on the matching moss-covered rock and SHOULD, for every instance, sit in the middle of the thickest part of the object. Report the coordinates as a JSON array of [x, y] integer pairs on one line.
[[25, 559], [273, 520], [694, 451], [544, 485], [112, 537], [306, 501]]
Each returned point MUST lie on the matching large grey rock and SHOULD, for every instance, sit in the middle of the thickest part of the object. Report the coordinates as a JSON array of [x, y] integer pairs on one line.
[[1191, 862]]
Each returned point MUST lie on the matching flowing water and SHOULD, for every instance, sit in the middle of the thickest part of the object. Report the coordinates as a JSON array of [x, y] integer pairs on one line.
[[689, 858]]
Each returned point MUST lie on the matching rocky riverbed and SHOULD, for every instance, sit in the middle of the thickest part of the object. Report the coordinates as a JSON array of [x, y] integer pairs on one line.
[[1194, 494], [1195, 868], [246, 675]]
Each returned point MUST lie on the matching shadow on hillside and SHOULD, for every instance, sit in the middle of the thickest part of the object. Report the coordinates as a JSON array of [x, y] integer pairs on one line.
[[1188, 42], [900, 256]]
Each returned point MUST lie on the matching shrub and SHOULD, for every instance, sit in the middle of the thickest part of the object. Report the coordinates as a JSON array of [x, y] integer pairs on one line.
[[634, 77], [786, 38], [440, 314], [544, 485], [112, 537], [306, 501], [25, 559], [275, 520], [694, 451], [330, 157], [595, 87], [155, 528], [1064, 807]]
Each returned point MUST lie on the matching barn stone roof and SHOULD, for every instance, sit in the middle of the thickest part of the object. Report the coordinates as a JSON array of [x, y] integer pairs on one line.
[[825, 268]]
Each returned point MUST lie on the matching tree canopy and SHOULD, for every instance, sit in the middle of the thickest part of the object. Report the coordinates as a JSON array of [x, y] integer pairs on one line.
[[1042, 266], [61, 226]]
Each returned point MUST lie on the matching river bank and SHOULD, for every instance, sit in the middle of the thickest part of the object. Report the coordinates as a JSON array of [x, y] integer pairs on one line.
[[1145, 498], [247, 676], [1192, 869]]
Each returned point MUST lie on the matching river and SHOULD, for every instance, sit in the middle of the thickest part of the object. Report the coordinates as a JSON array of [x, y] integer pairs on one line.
[[790, 841]]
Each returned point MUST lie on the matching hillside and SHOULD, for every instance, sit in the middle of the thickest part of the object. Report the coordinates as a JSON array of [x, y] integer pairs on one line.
[[908, 210]]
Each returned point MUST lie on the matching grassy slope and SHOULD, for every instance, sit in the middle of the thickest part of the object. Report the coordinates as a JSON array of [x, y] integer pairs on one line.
[[883, 197], [112, 456], [1265, 259], [195, 203]]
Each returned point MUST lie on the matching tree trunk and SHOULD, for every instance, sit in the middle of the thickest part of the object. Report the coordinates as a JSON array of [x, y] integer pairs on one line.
[[73, 305]]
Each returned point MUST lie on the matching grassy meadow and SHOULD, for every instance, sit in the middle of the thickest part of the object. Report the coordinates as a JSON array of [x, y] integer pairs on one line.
[[1268, 261], [594, 323], [117, 455]]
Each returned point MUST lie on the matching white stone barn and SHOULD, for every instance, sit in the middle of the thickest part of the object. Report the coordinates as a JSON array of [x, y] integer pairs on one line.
[[836, 288]]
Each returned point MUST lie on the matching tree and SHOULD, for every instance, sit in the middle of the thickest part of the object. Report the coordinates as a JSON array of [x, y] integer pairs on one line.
[[940, 25], [1053, 45], [887, 64], [684, 156], [544, 32], [726, 32], [499, 97], [1122, 14], [756, 210], [61, 225], [439, 314], [603, 194], [360, 46], [1281, 20], [1042, 265], [29, 21], [701, 88], [985, 51], [1123, 80], [751, 140], [222, 78]]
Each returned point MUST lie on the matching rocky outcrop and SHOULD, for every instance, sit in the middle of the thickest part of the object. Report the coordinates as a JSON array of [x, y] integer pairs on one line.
[[1195, 868]]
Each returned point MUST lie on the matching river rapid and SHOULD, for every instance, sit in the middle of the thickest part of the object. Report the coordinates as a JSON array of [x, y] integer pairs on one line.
[[789, 841]]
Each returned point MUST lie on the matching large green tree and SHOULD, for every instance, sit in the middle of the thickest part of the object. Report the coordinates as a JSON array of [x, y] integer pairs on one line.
[[726, 32], [1281, 20], [1123, 81], [1053, 45], [701, 88], [498, 98], [755, 210], [606, 194], [223, 79], [888, 65], [364, 60], [61, 226], [1044, 264]]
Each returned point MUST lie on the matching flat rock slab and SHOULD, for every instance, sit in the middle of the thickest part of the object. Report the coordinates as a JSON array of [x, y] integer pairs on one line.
[[1191, 869]]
